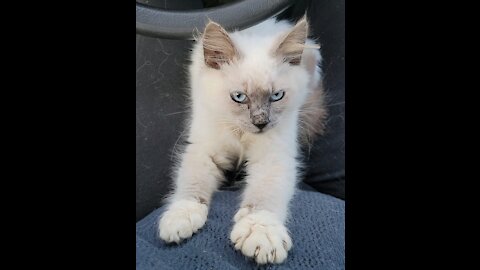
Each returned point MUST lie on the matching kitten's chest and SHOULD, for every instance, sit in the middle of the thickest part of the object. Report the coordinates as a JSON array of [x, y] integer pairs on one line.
[[234, 178], [231, 155]]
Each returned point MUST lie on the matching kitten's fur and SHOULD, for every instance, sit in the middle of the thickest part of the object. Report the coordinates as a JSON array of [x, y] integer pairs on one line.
[[258, 61]]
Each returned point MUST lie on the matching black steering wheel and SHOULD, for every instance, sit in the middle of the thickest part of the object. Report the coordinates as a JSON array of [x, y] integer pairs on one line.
[[175, 24]]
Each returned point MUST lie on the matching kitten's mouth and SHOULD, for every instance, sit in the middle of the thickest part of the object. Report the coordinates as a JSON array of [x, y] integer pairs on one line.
[[253, 129], [256, 131]]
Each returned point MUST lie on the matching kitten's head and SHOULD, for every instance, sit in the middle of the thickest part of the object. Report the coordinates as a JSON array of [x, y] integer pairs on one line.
[[254, 82]]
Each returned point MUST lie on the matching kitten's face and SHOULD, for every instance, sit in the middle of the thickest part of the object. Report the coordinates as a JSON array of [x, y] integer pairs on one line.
[[254, 92], [258, 98]]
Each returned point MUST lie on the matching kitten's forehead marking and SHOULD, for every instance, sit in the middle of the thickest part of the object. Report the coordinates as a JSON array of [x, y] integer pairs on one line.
[[260, 96]]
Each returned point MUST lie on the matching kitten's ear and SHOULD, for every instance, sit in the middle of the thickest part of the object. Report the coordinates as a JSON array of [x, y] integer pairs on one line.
[[292, 44], [218, 48]]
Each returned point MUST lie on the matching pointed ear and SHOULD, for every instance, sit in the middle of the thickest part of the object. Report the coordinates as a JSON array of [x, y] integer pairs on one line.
[[218, 48], [292, 44]]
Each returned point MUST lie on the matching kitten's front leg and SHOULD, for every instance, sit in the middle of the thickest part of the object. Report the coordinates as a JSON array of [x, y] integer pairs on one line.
[[259, 229], [197, 178]]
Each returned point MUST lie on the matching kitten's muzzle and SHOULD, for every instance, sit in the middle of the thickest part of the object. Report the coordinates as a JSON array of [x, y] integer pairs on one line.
[[260, 121], [260, 117]]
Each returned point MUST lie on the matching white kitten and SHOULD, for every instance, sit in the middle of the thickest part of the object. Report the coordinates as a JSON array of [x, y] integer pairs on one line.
[[256, 94]]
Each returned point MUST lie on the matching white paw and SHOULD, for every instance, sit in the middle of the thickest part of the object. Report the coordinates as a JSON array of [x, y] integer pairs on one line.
[[261, 235], [181, 220]]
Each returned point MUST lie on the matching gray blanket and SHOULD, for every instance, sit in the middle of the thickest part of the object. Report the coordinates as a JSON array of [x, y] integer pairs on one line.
[[317, 227]]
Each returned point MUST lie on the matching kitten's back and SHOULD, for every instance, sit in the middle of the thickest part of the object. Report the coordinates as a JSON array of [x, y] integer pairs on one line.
[[313, 112]]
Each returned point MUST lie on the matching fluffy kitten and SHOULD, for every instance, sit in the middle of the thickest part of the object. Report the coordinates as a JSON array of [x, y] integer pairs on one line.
[[256, 95]]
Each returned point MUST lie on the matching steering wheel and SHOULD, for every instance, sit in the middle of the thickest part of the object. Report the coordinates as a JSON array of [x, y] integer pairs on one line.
[[180, 24]]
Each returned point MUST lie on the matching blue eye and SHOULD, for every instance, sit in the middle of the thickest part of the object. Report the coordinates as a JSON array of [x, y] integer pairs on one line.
[[277, 95], [238, 97]]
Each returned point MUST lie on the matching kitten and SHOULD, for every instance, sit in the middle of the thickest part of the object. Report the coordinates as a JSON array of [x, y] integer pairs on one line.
[[256, 95]]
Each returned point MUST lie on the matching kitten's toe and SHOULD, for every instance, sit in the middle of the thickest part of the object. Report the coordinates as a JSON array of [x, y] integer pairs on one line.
[[241, 213], [182, 220], [262, 236]]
